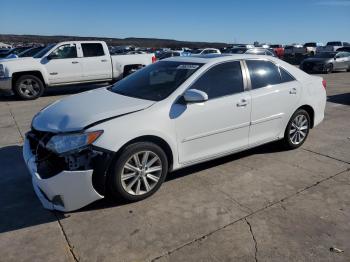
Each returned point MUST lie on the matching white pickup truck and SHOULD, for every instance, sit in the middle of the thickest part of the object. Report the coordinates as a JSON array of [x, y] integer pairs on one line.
[[332, 46], [67, 63]]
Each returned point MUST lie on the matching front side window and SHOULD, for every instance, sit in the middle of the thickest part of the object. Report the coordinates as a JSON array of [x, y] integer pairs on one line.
[[221, 80], [263, 73], [65, 51], [156, 81], [92, 49]]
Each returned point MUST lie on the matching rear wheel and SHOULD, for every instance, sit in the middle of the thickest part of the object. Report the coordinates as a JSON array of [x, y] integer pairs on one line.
[[138, 172], [297, 129], [28, 87], [329, 68]]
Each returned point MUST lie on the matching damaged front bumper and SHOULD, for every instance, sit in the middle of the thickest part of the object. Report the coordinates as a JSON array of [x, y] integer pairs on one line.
[[65, 190]]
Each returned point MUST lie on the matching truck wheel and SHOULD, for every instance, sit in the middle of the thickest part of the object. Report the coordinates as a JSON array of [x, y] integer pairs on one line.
[[28, 87], [329, 68], [138, 172]]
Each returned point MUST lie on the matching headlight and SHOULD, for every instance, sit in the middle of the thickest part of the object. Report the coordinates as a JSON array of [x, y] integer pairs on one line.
[[2, 70], [69, 142]]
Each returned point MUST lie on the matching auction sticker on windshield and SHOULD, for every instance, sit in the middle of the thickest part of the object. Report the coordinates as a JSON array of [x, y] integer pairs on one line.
[[188, 67]]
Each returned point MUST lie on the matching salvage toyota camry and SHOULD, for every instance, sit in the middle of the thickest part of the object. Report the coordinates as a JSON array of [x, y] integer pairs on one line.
[[125, 138]]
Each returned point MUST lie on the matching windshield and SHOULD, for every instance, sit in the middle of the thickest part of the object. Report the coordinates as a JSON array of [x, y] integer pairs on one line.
[[325, 54], [157, 81], [41, 53]]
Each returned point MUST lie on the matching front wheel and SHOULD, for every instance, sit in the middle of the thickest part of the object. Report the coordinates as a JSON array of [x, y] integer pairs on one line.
[[138, 172], [28, 87], [297, 129]]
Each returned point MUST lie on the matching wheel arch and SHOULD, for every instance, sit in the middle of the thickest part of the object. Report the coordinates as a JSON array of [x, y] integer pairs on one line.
[[311, 113], [153, 139], [17, 75]]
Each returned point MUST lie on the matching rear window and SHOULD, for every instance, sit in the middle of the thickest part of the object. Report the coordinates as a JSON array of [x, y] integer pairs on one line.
[[334, 44], [92, 49], [310, 45]]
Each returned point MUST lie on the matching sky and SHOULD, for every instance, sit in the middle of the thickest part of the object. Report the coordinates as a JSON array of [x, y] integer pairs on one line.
[[229, 21]]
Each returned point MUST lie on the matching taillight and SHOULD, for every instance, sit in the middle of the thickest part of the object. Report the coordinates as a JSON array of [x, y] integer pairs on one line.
[[324, 83], [154, 59]]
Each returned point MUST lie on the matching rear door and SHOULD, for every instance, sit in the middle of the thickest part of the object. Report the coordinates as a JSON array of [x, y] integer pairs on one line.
[[63, 65], [274, 93], [96, 62]]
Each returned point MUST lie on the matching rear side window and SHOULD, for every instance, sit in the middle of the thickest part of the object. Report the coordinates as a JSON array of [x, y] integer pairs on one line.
[[285, 76], [263, 73], [221, 80], [92, 49]]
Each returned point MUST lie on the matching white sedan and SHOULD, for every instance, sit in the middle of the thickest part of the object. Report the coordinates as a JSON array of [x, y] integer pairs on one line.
[[124, 139]]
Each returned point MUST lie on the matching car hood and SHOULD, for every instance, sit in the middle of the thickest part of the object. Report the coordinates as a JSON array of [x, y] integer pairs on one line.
[[317, 60], [76, 112]]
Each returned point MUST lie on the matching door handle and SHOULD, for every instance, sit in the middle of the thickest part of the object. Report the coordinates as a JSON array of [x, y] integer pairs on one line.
[[293, 91], [75, 62], [242, 103], [104, 60]]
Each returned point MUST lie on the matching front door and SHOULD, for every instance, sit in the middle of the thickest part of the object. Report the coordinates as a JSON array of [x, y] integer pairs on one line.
[[63, 65], [219, 125]]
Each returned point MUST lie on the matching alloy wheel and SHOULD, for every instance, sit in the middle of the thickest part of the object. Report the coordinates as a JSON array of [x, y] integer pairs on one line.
[[299, 129], [29, 88], [141, 173]]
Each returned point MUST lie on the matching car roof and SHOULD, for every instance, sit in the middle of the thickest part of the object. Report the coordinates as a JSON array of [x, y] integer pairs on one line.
[[213, 58]]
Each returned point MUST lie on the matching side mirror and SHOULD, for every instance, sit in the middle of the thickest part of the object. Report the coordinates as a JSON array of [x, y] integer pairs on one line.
[[195, 96]]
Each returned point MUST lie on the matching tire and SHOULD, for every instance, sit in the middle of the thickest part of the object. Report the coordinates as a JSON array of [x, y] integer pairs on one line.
[[329, 68], [348, 70], [133, 186], [297, 130], [28, 87]]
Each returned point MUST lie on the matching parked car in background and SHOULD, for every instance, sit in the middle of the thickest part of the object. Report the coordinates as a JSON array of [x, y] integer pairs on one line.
[[344, 49], [278, 49], [14, 51], [27, 53], [326, 62], [255, 51], [311, 48], [166, 54], [294, 50], [260, 51], [67, 63], [332, 46], [205, 51], [108, 138]]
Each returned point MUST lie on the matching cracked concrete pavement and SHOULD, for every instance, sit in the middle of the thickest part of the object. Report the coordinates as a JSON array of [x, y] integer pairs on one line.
[[264, 204]]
